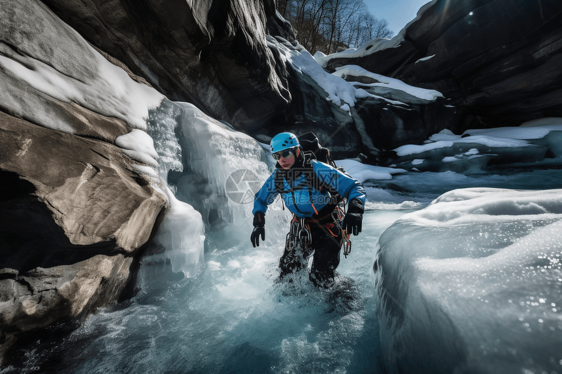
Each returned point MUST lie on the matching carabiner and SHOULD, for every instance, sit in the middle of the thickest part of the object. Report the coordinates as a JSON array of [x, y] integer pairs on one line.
[[347, 248]]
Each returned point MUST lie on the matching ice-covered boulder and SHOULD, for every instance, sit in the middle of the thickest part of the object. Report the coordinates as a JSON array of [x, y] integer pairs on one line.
[[472, 284]]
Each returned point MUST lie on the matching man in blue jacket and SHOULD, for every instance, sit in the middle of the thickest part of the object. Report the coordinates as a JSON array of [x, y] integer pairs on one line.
[[310, 191]]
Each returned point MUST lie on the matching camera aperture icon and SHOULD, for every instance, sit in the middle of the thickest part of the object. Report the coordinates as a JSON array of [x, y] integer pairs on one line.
[[241, 186]]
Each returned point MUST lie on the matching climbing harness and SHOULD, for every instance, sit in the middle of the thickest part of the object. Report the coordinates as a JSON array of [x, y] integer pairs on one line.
[[300, 233]]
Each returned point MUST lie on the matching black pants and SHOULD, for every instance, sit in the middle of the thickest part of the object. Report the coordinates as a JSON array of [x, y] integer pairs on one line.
[[326, 249]]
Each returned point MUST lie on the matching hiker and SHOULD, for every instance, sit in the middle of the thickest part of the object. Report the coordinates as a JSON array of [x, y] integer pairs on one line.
[[315, 193]]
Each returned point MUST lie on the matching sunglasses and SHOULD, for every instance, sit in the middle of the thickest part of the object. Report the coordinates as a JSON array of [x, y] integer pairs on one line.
[[285, 154]]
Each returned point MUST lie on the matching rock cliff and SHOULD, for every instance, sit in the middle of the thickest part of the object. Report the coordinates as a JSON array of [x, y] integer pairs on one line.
[[210, 53], [74, 209], [498, 61]]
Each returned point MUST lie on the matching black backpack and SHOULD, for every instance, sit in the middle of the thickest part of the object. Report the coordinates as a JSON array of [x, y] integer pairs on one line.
[[314, 151]]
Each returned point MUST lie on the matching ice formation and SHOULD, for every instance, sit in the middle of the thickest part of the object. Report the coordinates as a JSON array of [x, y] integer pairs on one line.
[[181, 234], [222, 169], [471, 283]]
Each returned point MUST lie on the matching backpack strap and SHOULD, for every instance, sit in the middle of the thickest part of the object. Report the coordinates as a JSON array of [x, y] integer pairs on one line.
[[312, 179]]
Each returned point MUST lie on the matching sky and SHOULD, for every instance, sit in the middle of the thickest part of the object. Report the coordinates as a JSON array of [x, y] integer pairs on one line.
[[397, 12]]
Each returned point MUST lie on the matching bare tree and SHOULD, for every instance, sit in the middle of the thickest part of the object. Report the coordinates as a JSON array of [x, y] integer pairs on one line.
[[380, 29], [332, 25]]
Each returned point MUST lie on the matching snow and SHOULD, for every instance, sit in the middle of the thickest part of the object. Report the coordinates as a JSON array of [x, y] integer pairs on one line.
[[418, 161], [527, 133], [425, 58], [543, 122], [339, 91], [374, 45], [488, 141], [538, 142], [363, 172], [139, 146], [110, 92], [480, 268], [354, 70]]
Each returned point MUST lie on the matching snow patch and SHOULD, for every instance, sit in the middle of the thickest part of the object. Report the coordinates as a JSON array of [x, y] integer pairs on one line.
[[425, 58], [139, 146], [339, 91], [383, 81], [363, 172]]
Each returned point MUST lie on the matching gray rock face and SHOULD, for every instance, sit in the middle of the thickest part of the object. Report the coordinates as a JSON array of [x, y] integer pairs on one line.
[[499, 61], [73, 215], [390, 126], [210, 53]]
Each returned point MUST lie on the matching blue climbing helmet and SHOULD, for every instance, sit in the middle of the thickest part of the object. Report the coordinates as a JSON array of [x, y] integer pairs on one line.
[[282, 141]]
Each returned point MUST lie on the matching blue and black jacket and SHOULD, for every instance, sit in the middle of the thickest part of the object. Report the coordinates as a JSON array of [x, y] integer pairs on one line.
[[308, 189]]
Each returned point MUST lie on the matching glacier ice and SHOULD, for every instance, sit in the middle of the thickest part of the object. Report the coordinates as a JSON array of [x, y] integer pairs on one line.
[[472, 283]]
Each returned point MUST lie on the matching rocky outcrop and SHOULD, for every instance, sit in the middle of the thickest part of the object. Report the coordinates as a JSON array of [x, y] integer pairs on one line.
[[499, 61], [75, 211], [310, 111], [73, 214], [210, 53]]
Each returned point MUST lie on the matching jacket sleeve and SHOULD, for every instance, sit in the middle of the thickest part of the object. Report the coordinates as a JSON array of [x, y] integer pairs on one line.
[[341, 182], [266, 195]]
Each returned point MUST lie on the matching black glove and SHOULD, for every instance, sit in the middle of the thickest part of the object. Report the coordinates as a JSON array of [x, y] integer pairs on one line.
[[353, 221], [259, 223]]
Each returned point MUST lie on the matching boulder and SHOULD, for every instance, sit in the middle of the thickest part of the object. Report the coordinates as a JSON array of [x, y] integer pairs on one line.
[[74, 214]]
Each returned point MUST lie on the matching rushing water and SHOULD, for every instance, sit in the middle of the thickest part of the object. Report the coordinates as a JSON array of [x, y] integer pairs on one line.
[[233, 317]]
